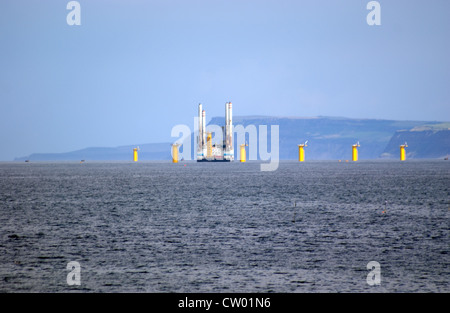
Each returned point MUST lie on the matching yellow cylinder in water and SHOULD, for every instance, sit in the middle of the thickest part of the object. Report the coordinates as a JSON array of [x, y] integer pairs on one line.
[[402, 153], [135, 155], [175, 153], [355, 153], [301, 153], [243, 154]]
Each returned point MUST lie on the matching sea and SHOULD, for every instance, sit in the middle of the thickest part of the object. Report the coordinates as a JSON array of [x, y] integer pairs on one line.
[[159, 227]]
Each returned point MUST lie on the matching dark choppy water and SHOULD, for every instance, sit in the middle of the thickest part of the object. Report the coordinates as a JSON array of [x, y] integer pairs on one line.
[[162, 227]]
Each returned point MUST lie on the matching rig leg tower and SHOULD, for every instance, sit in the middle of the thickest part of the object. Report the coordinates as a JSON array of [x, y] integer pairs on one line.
[[222, 151]]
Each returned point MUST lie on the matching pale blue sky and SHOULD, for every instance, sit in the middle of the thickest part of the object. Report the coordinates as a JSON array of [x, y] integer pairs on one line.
[[134, 69]]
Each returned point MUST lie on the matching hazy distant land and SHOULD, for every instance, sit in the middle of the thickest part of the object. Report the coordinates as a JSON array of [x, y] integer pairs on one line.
[[328, 138]]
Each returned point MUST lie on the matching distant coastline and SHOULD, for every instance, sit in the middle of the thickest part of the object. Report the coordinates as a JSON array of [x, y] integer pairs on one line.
[[329, 138]]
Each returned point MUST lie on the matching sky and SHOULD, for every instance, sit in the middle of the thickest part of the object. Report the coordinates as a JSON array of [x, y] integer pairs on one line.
[[134, 69]]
